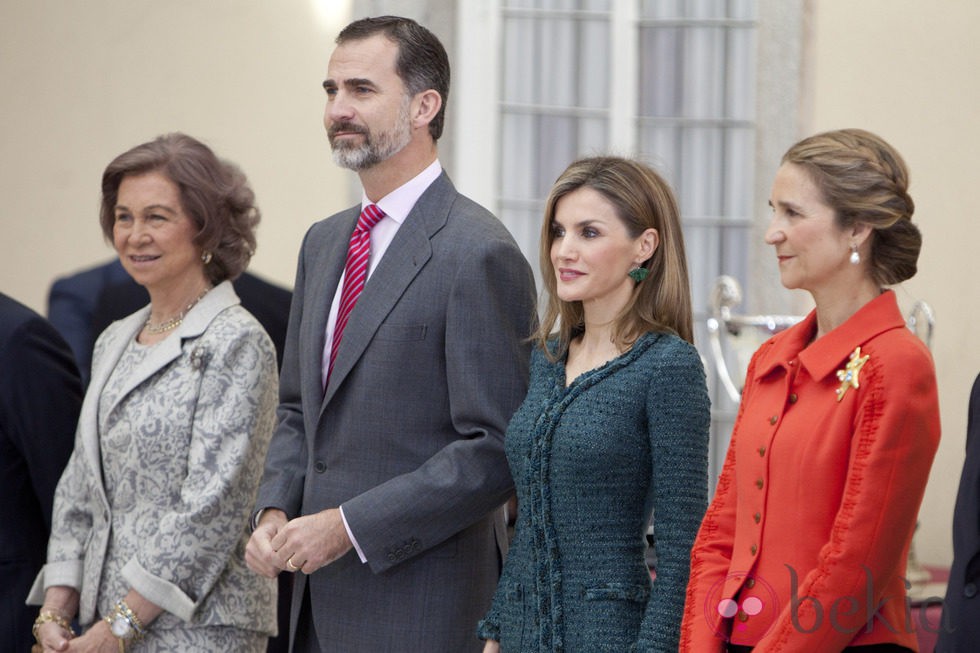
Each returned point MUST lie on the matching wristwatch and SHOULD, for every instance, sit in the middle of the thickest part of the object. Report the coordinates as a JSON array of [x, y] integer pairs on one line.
[[124, 624], [120, 626]]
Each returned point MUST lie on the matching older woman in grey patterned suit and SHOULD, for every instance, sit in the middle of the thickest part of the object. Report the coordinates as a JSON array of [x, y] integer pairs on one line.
[[151, 514]]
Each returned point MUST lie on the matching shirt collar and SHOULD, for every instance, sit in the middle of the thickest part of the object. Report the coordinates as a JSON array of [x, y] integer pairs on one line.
[[399, 203], [826, 354]]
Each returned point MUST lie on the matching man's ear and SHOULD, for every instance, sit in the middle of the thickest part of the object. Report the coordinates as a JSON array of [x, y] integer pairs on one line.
[[425, 107]]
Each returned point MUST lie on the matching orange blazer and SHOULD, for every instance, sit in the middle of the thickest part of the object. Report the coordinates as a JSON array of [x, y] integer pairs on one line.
[[805, 543]]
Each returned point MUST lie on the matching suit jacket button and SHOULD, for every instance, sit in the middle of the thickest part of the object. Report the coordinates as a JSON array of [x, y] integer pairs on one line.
[[759, 483], [750, 583], [793, 398], [757, 517], [774, 419], [391, 557], [753, 549], [319, 467], [970, 590]]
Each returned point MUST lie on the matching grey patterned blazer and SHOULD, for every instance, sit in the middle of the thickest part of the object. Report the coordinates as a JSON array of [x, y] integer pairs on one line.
[[171, 518]]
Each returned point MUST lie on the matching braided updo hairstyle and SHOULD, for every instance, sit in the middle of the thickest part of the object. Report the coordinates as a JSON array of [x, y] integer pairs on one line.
[[865, 180]]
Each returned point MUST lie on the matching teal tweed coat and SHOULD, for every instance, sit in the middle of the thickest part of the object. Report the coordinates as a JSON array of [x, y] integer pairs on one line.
[[591, 462]]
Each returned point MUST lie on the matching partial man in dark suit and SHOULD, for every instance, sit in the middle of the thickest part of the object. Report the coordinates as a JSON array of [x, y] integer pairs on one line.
[[386, 474], [83, 304], [71, 307], [40, 398], [959, 629]]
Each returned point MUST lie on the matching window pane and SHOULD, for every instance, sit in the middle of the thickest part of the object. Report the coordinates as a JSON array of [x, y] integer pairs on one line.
[[740, 72], [661, 77], [519, 50], [556, 67]]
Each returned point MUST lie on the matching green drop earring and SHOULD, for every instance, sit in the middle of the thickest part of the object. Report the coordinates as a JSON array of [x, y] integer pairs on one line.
[[638, 274]]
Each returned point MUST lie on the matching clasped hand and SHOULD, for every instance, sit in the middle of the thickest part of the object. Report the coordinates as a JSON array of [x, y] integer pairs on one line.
[[303, 544], [97, 639]]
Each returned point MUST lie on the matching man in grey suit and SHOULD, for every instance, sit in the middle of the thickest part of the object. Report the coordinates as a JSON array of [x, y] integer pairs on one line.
[[386, 474]]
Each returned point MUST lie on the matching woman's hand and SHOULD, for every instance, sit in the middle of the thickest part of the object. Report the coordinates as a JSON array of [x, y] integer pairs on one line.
[[53, 637], [97, 639], [492, 646], [62, 601]]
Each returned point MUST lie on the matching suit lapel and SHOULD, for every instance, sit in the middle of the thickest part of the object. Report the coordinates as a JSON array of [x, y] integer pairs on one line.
[[404, 258], [320, 280], [158, 357], [117, 339]]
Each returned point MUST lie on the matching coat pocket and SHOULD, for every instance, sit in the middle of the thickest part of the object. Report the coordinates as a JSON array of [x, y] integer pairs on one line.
[[617, 592], [614, 613], [400, 332]]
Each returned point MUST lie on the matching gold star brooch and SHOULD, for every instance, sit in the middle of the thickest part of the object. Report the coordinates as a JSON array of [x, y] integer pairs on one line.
[[848, 376]]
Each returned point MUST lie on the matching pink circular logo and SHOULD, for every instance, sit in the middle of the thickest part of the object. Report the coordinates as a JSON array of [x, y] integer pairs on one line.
[[756, 600]]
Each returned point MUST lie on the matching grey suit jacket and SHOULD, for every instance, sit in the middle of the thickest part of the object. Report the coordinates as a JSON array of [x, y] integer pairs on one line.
[[408, 437], [173, 526]]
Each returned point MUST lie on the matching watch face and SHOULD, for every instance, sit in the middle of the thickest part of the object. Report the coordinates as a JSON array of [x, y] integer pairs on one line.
[[121, 628]]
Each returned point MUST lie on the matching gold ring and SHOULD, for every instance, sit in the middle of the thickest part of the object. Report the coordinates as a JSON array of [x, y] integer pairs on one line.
[[290, 565]]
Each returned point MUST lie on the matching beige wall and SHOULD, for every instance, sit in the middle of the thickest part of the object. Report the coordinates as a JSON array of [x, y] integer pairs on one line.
[[907, 70], [83, 81]]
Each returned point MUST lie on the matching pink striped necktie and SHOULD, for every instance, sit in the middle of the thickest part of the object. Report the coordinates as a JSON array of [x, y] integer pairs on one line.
[[355, 273]]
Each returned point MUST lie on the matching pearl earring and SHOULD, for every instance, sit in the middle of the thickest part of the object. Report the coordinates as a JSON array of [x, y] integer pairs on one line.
[[206, 257], [855, 257]]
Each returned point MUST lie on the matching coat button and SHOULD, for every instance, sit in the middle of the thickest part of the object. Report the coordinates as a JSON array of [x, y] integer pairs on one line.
[[753, 549], [759, 483], [970, 590], [774, 419], [793, 398], [762, 452], [319, 467], [750, 583], [743, 615], [757, 517]]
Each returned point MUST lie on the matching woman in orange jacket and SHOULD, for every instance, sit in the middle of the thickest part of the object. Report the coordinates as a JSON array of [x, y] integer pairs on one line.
[[804, 545]]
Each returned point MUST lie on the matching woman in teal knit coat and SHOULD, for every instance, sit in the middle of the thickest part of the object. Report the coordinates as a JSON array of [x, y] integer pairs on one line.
[[613, 433]]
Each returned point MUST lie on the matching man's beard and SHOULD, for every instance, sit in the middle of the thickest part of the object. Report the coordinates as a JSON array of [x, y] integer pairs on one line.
[[374, 149]]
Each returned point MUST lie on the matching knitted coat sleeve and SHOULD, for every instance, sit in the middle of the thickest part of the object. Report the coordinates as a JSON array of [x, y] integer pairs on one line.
[[678, 419]]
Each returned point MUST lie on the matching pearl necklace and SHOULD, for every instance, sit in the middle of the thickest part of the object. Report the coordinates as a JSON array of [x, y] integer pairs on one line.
[[175, 321]]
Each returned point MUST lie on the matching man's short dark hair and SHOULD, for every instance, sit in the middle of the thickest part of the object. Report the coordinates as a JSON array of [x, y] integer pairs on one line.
[[422, 62]]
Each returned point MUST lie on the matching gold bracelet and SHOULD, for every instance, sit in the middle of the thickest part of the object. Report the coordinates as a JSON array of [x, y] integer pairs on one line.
[[124, 624], [47, 616], [130, 616]]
